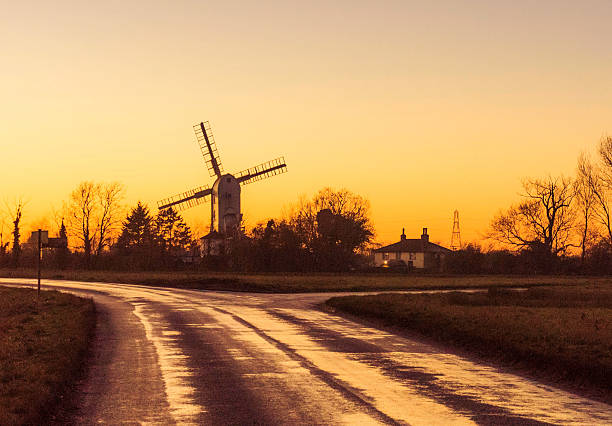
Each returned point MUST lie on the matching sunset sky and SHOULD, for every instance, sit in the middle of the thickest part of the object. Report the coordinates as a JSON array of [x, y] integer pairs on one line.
[[423, 107]]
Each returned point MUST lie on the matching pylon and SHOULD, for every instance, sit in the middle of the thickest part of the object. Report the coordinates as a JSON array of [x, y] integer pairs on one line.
[[456, 237]]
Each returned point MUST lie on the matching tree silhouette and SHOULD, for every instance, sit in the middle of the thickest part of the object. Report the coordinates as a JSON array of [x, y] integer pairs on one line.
[[137, 230], [173, 234], [275, 247], [81, 210], [137, 242], [585, 187], [109, 198], [16, 213], [62, 253], [92, 215], [542, 224], [333, 226]]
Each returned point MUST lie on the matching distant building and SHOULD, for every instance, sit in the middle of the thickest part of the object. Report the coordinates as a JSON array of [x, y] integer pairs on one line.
[[212, 244], [413, 253]]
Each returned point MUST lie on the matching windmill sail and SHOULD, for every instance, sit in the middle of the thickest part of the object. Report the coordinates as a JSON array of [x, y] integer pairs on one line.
[[208, 147], [187, 199], [262, 171]]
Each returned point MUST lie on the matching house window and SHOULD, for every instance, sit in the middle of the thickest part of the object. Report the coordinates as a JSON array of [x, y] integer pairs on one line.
[[385, 256], [398, 255], [412, 256]]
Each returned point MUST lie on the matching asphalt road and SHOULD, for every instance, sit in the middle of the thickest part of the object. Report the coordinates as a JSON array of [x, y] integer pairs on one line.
[[165, 356]]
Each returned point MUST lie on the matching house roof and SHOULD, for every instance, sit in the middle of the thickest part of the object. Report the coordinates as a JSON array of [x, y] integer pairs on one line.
[[412, 246]]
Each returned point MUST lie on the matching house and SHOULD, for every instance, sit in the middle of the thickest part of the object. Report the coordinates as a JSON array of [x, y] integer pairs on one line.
[[413, 253], [212, 244]]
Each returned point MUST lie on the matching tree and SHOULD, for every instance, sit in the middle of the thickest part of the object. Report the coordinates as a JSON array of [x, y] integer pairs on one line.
[[92, 213], [109, 198], [173, 234], [605, 155], [542, 223], [275, 247], [467, 260], [333, 226], [80, 212], [600, 183], [15, 212], [137, 241], [3, 244], [62, 253], [137, 230], [585, 187]]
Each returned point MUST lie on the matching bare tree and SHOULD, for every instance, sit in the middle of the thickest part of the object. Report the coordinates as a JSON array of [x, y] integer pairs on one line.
[[605, 155], [346, 213], [303, 219], [600, 180], [543, 221], [15, 213], [80, 212], [92, 215], [585, 189], [109, 197]]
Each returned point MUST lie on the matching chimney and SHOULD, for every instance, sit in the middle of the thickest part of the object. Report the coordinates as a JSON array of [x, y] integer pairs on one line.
[[425, 237], [403, 236]]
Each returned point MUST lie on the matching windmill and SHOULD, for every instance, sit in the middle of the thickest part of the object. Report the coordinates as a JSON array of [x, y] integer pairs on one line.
[[225, 215]]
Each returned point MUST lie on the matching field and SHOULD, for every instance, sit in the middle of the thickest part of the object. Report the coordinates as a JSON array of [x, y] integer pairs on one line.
[[304, 283], [42, 349], [564, 334]]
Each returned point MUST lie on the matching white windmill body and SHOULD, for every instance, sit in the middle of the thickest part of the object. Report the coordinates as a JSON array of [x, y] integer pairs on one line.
[[225, 213], [225, 207]]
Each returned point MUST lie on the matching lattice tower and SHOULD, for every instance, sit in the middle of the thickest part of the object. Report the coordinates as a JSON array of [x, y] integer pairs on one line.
[[456, 237]]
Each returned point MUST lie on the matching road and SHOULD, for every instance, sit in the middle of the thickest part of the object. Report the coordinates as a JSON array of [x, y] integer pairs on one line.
[[167, 356]]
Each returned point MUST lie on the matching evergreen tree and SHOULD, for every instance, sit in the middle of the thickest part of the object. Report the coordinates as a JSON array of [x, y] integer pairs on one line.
[[63, 235], [62, 253], [137, 230], [174, 236], [137, 242]]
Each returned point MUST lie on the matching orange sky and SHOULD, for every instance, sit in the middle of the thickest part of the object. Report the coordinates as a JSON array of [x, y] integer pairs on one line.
[[422, 107]]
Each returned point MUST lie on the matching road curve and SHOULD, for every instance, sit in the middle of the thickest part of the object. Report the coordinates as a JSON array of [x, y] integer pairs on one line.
[[165, 356]]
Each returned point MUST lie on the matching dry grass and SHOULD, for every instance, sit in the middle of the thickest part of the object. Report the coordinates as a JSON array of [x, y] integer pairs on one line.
[[563, 333], [42, 349], [303, 283]]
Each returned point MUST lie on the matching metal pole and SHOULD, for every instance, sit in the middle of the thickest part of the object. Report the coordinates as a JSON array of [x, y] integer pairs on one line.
[[38, 263]]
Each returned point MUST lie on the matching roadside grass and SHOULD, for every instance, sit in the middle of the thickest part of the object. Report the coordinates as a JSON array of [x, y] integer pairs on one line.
[[305, 283], [42, 349], [563, 334]]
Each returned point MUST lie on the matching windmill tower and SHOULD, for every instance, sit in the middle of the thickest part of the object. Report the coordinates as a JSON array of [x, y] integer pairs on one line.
[[456, 237], [225, 213]]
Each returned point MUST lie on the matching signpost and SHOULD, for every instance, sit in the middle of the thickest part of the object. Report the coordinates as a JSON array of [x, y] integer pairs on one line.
[[43, 241]]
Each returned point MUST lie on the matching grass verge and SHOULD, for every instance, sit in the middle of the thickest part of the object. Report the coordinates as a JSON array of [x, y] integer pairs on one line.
[[563, 334], [42, 349], [305, 283]]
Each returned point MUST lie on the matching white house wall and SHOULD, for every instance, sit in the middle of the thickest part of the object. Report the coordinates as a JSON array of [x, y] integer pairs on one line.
[[417, 262]]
